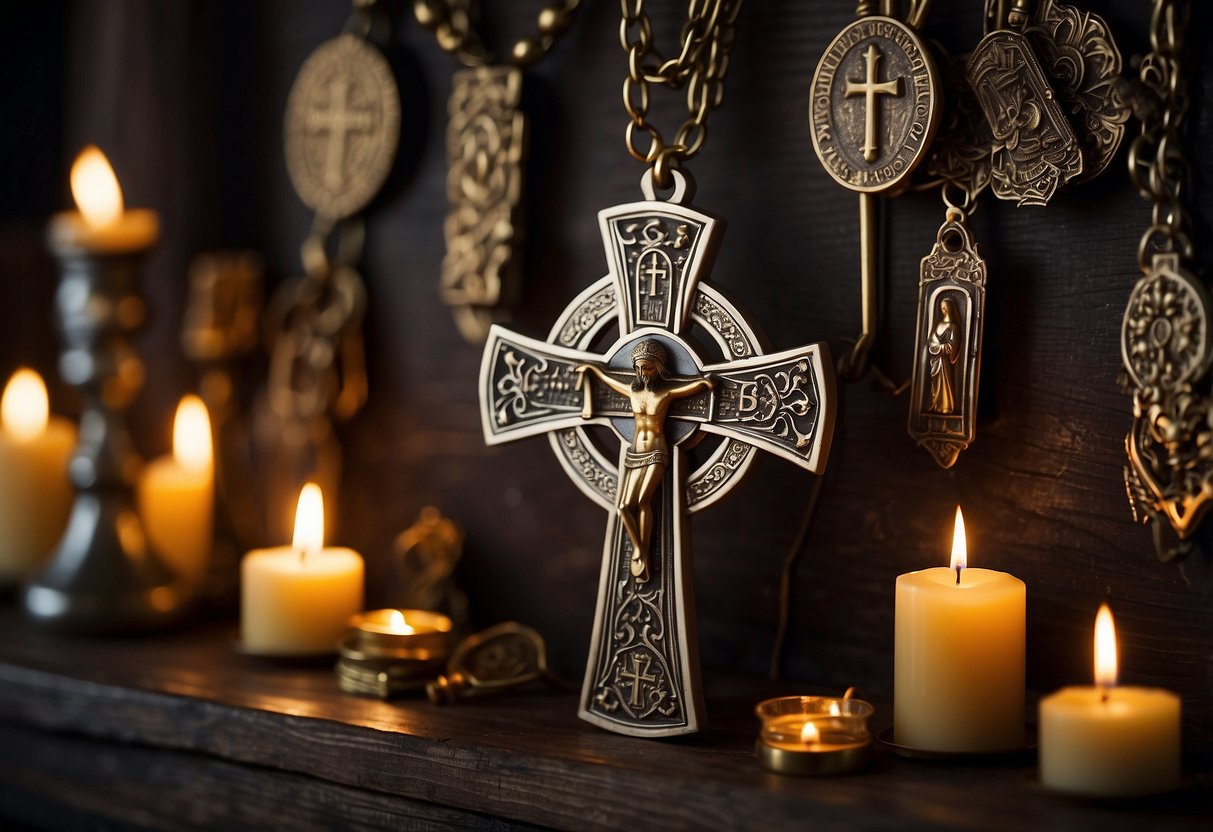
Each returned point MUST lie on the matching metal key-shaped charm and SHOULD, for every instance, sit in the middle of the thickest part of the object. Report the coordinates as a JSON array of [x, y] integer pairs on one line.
[[1035, 150], [873, 110], [947, 353]]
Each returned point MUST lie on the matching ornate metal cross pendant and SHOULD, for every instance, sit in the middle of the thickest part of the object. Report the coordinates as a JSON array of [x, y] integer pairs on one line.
[[653, 391]]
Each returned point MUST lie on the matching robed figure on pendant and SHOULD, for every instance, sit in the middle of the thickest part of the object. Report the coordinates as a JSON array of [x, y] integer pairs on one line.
[[653, 392]]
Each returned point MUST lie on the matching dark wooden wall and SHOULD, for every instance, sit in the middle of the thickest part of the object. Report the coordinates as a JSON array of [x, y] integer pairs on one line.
[[187, 98]]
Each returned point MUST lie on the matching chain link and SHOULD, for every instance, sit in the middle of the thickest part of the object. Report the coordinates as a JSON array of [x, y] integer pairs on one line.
[[701, 65], [317, 366], [453, 23], [1157, 164]]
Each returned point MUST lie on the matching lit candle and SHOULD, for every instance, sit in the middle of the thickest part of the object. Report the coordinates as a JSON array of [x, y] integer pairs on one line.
[[102, 225], [1108, 741], [35, 494], [808, 735], [299, 599], [401, 634], [176, 495], [959, 657]]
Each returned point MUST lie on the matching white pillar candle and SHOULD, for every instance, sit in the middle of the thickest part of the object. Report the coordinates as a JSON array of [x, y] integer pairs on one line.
[[176, 496], [1105, 741], [35, 494], [299, 599], [959, 657]]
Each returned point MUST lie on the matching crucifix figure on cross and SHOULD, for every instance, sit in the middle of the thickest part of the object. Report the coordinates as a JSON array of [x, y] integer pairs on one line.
[[654, 393]]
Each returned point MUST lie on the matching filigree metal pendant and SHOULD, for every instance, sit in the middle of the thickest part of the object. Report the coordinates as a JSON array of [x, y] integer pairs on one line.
[[654, 391], [485, 140], [342, 127], [947, 355], [1165, 345], [1082, 62], [1035, 150]]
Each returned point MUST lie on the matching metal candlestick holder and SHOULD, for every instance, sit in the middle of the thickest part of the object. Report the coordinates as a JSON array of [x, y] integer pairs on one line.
[[102, 577]]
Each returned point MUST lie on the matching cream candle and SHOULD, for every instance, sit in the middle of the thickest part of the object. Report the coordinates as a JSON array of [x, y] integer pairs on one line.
[[1108, 741], [102, 225], [299, 599], [176, 495], [959, 657], [35, 494]]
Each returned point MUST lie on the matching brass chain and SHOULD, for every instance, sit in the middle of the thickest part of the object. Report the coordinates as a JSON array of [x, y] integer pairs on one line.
[[453, 23], [1157, 164], [700, 66]]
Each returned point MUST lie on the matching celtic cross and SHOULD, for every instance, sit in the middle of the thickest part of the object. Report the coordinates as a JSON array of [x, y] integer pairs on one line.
[[652, 391]]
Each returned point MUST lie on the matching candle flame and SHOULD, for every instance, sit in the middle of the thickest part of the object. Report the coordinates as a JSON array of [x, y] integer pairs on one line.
[[960, 551], [24, 408], [309, 521], [399, 625], [835, 710], [95, 188], [1105, 648], [192, 435], [809, 733]]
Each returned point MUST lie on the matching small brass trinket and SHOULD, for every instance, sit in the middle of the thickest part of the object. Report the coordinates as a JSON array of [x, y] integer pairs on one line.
[[502, 657], [947, 354]]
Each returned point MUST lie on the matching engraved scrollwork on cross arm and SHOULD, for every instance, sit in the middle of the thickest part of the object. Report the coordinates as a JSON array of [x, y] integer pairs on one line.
[[533, 386], [778, 402], [718, 474]]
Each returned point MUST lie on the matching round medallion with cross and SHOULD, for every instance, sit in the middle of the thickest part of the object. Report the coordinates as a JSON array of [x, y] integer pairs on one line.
[[873, 104], [342, 126]]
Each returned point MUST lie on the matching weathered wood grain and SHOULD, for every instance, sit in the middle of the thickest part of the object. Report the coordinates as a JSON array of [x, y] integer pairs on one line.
[[185, 708]]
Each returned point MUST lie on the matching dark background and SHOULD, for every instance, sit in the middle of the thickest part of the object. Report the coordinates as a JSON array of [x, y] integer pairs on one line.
[[187, 99]]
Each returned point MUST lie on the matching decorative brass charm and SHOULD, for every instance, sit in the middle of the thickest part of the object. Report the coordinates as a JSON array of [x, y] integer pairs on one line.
[[485, 145], [342, 127], [873, 104], [960, 154], [1081, 60], [642, 676], [1035, 150], [1165, 345], [425, 556], [503, 657], [951, 313]]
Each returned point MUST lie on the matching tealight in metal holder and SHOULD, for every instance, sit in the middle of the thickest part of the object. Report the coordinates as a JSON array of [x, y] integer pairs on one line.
[[103, 577]]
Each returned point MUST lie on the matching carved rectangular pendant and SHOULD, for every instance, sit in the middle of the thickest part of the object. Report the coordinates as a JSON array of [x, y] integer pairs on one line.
[[485, 150], [947, 353], [1035, 150]]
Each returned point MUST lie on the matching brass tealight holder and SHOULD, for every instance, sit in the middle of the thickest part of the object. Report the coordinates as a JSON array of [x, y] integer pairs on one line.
[[814, 735], [392, 652]]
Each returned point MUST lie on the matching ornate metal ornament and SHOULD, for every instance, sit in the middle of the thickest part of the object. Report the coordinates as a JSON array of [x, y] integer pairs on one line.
[[1083, 64], [962, 150], [873, 104], [485, 145], [486, 150], [1035, 150], [947, 354], [342, 126], [1165, 339], [1166, 350], [655, 392]]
